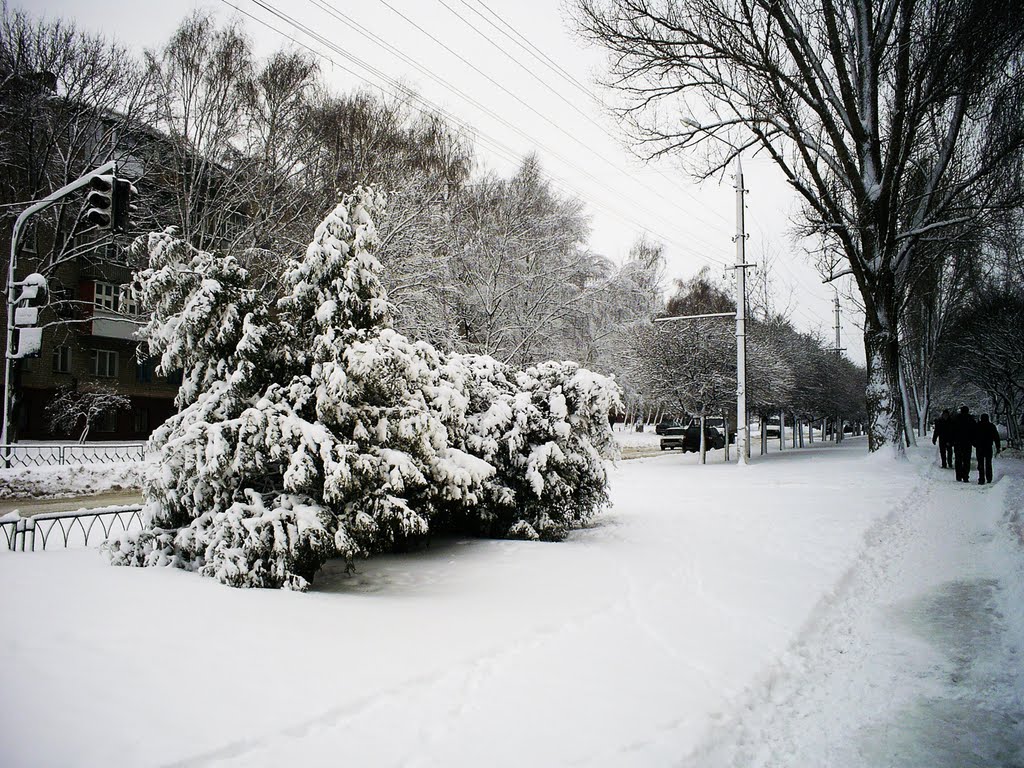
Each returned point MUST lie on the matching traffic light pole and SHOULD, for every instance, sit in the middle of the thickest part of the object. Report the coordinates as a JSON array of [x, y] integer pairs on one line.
[[19, 226]]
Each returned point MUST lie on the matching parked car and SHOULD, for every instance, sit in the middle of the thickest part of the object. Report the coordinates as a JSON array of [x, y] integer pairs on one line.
[[717, 423], [666, 424], [672, 437], [771, 426], [713, 439], [688, 438]]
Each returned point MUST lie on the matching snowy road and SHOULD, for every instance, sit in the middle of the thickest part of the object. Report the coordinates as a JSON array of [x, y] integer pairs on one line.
[[817, 608]]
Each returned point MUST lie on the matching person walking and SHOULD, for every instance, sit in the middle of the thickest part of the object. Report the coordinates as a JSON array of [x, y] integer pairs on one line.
[[962, 433], [941, 433], [985, 436]]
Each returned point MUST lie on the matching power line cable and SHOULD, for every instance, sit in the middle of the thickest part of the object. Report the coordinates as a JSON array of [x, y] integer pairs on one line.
[[496, 146], [289, 19], [571, 136], [378, 40], [552, 65]]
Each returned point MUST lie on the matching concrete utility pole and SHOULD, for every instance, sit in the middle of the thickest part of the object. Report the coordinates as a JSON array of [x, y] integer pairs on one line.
[[839, 352], [742, 427], [839, 346]]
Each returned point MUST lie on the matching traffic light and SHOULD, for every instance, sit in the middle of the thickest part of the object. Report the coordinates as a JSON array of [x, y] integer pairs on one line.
[[124, 195], [101, 202], [26, 315]]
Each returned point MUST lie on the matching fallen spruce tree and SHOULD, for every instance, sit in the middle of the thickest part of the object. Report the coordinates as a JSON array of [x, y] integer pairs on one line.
[[309, 429]]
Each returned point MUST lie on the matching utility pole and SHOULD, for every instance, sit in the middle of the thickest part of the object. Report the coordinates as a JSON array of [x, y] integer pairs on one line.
[[742, 427], [741, 265], [839, 352], [839, 346]]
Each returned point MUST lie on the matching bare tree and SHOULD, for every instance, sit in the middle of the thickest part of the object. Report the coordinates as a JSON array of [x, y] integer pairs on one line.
[[522, 266], [73, 409], [938, 295], [985, 350], [892, 120], [69, 102]]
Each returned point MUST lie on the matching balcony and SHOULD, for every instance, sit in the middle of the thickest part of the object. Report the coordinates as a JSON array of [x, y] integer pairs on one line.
[[114, 325], [99, 265]]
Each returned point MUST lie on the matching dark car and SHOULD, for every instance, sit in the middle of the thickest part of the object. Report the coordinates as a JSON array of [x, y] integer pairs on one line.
[[713, 439], [718, 424], [665, 424]]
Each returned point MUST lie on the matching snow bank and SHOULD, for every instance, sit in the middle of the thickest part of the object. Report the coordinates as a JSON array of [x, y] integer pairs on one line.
[[69, 480]]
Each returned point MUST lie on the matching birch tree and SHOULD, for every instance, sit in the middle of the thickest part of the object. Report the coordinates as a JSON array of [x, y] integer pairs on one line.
[[891, 119], [522, 267]]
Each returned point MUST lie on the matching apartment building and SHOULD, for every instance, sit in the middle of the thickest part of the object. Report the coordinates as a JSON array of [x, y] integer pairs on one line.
[[90, 340]]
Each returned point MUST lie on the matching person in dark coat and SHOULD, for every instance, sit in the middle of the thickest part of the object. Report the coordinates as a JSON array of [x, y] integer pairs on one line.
[[941, 433], [962, 433], [985, 436]]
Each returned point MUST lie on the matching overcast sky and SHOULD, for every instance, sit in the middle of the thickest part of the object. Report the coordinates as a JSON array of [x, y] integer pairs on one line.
[[454, 53]]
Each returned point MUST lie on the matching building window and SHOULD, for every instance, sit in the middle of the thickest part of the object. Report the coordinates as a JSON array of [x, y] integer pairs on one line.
[[128, 305], [107, 422], [62, 359], [140, 421], [104, 363], [106, 296]]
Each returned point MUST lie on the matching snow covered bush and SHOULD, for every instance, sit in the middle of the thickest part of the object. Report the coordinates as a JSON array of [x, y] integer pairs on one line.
[[544, 431], [311, 429]]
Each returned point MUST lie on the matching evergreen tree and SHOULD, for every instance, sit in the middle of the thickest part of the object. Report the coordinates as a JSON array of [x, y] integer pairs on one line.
[[312, 429]]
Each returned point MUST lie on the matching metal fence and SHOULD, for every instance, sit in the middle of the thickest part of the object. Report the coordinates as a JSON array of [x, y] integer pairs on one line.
[[68, 528], [56, 454]]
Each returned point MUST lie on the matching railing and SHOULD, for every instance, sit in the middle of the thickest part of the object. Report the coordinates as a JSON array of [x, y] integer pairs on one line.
[[42, 454], [69, 528]]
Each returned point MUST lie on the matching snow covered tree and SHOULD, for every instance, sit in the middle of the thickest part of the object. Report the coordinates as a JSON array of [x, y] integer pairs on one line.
[[544, 430], [312, 429]]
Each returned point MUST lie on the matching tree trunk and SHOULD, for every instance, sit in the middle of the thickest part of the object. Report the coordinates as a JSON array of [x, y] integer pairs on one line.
[[703, 442], [909, 434], [884, 404]]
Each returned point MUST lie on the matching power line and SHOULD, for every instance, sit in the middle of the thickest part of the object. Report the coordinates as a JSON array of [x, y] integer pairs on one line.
[[572, 137], [360, 29], [552, 65], [496, 146]]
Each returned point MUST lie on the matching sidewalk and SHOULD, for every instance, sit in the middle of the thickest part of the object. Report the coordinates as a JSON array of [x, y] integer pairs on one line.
[[915, 660], [30, 507]]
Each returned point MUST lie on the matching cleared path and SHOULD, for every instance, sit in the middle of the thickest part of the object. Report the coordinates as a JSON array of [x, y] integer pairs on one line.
[[917, 659]]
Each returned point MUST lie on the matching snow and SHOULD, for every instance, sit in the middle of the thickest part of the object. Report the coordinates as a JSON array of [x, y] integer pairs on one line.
[[69, 480], [813, 612]]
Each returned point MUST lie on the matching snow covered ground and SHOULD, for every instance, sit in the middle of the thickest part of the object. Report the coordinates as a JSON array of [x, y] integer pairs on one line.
[[816, 608]]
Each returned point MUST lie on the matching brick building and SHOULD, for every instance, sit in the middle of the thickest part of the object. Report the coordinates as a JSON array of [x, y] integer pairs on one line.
[[89, 341]]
